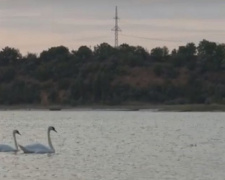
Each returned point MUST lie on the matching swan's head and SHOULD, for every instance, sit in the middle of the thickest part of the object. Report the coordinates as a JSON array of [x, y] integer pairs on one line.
[[16, 132], [51, 128]]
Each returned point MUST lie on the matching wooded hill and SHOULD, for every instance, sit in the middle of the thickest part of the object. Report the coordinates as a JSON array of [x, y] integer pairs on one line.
[[108, 75]]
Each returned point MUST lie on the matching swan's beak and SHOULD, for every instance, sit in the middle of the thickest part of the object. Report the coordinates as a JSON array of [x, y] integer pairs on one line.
[[54, 130], [18, 133]]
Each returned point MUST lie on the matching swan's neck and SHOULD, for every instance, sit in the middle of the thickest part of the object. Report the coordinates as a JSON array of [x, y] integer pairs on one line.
[[15, 141], [50, 142]]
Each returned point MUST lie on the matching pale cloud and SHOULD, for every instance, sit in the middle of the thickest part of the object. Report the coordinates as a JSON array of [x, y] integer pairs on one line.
[[171, 32], [188, 25], [36, 41], [28, 41], [84, 21]]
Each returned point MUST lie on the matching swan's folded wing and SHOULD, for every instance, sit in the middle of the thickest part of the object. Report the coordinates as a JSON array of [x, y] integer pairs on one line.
[[6, 148], [35, 148]]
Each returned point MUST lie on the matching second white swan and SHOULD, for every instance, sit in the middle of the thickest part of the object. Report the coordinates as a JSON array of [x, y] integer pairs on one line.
[[40, 148]]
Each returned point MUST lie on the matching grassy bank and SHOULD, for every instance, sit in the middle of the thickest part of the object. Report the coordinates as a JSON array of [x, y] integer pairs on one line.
[[192, 107], [124, 107]]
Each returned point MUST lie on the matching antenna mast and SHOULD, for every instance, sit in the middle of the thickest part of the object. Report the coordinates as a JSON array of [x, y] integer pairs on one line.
[[116, 28]]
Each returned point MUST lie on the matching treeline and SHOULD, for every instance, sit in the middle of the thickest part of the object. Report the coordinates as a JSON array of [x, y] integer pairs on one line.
[[108, 75]]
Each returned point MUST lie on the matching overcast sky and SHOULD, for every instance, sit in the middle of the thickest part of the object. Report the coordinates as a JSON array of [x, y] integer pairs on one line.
[[36, 25]]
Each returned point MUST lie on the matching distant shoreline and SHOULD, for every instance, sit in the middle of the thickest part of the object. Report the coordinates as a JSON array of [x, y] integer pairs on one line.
[[124, 107]]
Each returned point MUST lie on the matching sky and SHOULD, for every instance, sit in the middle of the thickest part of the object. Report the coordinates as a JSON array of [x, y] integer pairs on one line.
[[36, 25]]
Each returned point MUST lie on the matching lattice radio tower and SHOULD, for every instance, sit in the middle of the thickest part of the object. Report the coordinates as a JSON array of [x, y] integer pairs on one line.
[[116, 28]]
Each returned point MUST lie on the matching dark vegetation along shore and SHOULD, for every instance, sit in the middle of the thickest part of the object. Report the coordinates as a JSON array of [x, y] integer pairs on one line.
[[190, 74]]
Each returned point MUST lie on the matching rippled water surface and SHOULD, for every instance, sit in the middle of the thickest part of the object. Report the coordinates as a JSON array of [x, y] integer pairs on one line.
[[110, 145]]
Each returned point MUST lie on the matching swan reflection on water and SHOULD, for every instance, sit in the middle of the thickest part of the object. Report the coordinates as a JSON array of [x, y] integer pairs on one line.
[[40, 148], [7, 148]]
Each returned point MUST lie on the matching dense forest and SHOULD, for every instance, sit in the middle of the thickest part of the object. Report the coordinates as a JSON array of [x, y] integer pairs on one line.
[[107, 75]]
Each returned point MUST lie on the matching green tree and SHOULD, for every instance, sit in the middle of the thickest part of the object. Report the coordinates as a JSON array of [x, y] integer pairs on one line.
[[55, 53], [185, 55], [159, 53], [84, 53], [31, 57], [206, 49], [211, 55], [9, 55], [103, 51]]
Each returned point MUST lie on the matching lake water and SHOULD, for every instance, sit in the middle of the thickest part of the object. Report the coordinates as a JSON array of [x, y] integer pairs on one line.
[[116, 145]]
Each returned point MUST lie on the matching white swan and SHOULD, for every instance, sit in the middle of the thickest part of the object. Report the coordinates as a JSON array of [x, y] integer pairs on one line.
[[40, 148], [7, 148]]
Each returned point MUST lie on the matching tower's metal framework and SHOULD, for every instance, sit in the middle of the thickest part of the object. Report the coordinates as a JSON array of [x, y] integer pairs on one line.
[[116, 28]]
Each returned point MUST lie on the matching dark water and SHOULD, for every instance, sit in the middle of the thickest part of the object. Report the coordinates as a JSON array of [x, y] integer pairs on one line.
[[109, 145]]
